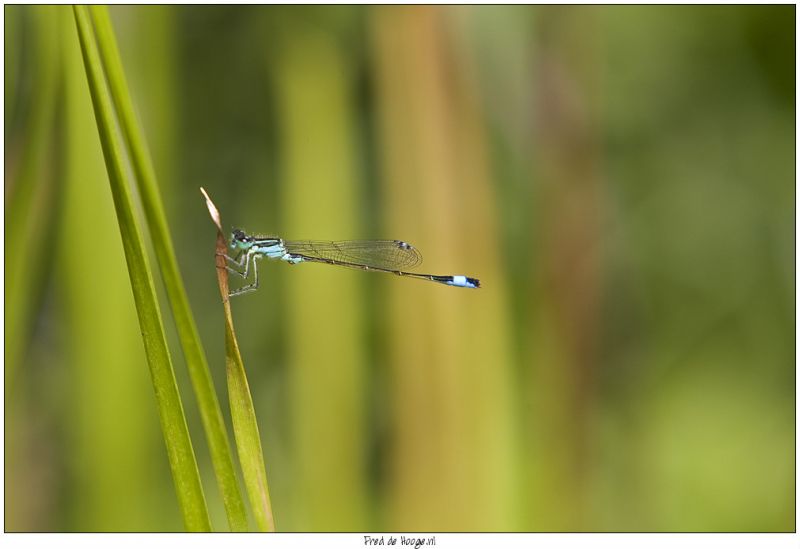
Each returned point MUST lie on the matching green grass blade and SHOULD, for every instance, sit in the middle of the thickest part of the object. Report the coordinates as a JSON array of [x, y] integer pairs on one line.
[[96, 451], [245, 427], [197, 364], [173, 422]]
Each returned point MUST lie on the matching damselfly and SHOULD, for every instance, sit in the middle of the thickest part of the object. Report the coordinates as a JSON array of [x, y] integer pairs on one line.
[[385, 256]]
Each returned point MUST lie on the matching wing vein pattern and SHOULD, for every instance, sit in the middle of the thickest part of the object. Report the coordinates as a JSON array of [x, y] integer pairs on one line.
[[385, 254]]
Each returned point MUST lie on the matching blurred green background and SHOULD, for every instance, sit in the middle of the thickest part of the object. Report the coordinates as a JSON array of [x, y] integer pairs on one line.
[[621, 179]]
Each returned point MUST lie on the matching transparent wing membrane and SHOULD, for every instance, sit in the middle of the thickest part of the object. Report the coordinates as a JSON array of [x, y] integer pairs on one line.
[[383, 254]]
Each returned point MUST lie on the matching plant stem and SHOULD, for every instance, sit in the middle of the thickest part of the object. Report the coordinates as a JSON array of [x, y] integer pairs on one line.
[[245, 427]]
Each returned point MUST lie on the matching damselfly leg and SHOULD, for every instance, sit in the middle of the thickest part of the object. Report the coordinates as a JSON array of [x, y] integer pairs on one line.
[[248, 259], [243, 262], [235, 260], [250, 287]]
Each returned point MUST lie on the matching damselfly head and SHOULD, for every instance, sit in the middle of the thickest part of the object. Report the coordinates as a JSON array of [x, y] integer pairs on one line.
[[239, 239]]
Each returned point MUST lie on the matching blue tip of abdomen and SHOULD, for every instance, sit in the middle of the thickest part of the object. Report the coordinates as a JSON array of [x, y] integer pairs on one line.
[[464, 282]]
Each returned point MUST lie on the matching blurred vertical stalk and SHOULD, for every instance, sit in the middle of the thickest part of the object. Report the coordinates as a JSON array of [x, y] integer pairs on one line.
[[500, 71], [454, 460], [29, 192], [486, 350], [424, 488], [154, 75], [568, 167], [110, 431], [325, 321], [29, 208], [12, 23]]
